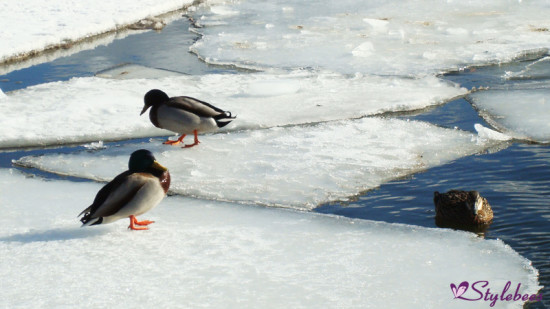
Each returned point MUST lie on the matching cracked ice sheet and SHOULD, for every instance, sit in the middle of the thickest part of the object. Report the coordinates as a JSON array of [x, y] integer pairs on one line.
[[91, 109], [378, 37], [49, 23], [299, 167], [519, 113], [213, 254]]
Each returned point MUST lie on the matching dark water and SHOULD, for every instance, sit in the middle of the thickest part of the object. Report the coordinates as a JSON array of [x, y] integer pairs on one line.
[[515, 179]]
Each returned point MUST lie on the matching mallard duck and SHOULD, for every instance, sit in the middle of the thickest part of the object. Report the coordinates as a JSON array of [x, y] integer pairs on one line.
[[462, 207], [183, 115], [131, 193]]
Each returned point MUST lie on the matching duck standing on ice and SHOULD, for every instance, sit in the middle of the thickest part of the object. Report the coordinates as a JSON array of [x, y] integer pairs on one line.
[[184, 115], [131, 193]]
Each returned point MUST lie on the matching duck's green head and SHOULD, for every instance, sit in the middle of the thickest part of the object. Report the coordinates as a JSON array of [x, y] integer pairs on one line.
[[143, 160], [153, 97]]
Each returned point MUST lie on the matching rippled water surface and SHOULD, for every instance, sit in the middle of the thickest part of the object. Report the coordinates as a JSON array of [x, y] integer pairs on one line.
[[514, 178]]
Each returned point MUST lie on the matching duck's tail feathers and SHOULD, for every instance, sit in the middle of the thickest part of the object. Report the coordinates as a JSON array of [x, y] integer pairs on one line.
[[224, 119]]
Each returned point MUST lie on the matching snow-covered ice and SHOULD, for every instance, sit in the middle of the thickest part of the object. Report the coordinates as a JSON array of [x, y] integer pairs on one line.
[[92, 109], [211, 254], [297, 166], [521, 112], [51, 23], [378, 37]]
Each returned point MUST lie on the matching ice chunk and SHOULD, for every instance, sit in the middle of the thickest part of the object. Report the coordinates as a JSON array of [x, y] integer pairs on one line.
[[406, 38], [95, 145], [520, 113], [487, 133], [135, 71], [298, 167], [211, 254], [91, 109]]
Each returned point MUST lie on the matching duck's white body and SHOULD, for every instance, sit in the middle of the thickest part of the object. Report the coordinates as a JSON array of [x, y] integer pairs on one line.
[[182, 121], [184, 115], [131, 193], [148, 194]]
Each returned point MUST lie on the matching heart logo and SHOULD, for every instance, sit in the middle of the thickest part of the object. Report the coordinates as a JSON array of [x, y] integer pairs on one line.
[[461, 289]]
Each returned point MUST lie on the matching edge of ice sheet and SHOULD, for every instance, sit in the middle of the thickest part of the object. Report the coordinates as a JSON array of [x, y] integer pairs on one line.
[[51, 23], [211, 254], [294, 166], [90, 109], [520, 112]]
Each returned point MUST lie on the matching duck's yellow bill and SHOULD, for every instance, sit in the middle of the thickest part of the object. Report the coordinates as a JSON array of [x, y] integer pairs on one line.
[[157, 166]]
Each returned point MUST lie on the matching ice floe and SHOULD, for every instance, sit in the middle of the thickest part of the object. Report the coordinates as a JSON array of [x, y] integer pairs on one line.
[[296, 166], [519, 113], [487, 133], [55, 23], [211, 254], [406, 38], [91, 109]]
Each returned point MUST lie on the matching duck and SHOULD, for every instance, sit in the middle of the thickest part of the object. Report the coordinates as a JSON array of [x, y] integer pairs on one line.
[[458, 207], [183, 115], [131, 193]]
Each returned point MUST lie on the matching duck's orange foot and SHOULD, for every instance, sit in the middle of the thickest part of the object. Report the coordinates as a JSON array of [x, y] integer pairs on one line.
[[195, 143], [144, 222], [191, 145], [179, 140], [134, 222], [169, 142], [137, 228]]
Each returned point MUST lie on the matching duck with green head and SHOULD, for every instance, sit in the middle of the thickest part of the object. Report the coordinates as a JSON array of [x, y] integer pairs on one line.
[[184, 115], [131, 193]]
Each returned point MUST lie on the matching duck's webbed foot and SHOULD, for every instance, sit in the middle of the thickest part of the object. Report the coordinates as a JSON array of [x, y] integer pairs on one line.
[[134, 222], [179, 140]]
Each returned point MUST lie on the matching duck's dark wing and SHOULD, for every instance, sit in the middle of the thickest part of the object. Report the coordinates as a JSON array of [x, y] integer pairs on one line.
[[112, 197], [195, 106], [453, 197]]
